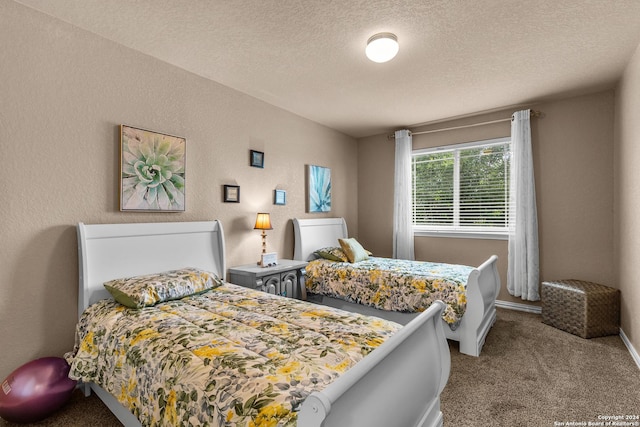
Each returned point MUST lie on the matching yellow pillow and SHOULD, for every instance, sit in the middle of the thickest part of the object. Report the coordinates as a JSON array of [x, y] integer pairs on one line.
[[354, 250]]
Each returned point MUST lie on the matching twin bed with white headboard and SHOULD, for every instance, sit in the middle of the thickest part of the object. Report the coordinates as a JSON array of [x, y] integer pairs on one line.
[[482, 285], [397, 383]]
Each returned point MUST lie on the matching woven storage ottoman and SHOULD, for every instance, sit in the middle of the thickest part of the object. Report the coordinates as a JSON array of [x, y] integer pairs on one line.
[[582, 308]]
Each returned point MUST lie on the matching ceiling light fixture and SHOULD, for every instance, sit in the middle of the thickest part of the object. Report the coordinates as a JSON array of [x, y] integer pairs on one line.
[[382, 47]]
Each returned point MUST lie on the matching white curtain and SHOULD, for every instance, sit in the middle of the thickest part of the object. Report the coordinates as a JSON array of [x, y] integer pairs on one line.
[[402, 227], [523, 269]]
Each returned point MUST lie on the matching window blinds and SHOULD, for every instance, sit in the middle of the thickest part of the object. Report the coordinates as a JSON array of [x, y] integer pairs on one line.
[[462, 188]]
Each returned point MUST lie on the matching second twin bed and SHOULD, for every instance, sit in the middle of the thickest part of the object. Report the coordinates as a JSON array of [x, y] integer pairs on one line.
[[396, 289]]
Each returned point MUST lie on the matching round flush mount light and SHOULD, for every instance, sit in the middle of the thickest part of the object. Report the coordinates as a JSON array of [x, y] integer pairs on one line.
[[382, 47]]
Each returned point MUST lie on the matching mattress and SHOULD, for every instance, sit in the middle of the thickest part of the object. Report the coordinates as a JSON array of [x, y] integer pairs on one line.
[[393, 284], [228, 356]]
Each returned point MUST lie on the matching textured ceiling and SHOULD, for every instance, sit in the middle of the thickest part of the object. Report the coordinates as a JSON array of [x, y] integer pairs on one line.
[[457, 57]]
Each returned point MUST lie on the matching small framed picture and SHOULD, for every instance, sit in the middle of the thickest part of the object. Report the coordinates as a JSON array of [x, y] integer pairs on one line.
[[256, 159], [232, 194], [279, 197]]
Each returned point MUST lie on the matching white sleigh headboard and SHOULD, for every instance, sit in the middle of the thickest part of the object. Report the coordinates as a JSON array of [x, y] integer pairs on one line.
[[112, 251], [312, 234]]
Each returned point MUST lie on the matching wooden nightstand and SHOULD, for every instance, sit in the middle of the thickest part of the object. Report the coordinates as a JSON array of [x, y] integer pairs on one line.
[[285, 279]]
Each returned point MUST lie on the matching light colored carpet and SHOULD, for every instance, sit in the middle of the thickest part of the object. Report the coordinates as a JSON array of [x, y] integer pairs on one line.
[[529, 374]]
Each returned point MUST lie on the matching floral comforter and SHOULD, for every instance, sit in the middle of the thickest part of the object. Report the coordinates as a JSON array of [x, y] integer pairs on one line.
[[393, 284], [228, 357]]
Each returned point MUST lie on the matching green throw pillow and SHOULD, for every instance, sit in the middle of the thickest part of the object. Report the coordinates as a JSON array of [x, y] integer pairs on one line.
[[150, 289], [353, 249]]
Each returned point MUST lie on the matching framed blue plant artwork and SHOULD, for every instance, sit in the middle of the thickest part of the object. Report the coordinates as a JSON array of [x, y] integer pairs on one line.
[[319, 181], [152, 171]]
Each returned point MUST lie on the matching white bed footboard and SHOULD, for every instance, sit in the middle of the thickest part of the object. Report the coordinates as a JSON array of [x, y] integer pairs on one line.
[[401, 380], [483, 286]]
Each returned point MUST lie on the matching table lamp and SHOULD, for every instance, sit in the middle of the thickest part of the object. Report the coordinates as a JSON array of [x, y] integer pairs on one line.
[[263, 222]]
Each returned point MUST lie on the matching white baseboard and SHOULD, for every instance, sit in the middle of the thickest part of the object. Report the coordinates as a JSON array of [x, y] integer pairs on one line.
[[634, 353], [519, 307]]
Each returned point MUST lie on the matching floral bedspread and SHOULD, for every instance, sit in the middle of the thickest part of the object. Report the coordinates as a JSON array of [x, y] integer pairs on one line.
[[227, 357], [393, 284]]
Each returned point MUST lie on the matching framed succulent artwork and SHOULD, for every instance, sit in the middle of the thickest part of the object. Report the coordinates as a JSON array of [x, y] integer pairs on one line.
[[319, 189], [152, 171]]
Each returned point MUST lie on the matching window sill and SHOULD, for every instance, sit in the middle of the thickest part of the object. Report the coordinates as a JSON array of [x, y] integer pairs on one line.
[[493, 235]]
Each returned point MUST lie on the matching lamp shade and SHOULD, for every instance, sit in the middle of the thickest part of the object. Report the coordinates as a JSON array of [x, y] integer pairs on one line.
[[382, 47], [263, 222]]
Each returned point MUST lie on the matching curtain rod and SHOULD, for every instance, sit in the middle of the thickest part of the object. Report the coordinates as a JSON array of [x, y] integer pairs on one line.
[[534, 113]]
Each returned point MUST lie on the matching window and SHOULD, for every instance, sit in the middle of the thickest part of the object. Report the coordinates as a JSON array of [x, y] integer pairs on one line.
[[462, 189]]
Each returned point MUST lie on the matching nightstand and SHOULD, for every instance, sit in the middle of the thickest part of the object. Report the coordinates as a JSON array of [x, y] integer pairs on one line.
[[284, 279]]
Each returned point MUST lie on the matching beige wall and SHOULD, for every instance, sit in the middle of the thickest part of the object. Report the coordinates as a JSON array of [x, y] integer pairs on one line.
[[573, 161], [63, 93], [627, 197]]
